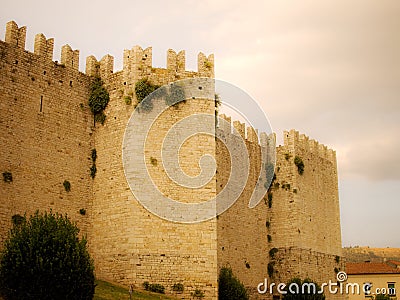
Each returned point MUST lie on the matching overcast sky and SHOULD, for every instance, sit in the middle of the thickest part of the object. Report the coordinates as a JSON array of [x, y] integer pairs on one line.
[[330, 69]]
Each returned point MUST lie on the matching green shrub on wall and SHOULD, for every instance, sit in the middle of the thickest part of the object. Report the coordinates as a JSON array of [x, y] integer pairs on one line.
[[199, 294], [93, 168], [154, 287], [272, 252], [7, 177], [299, 164], [98, 100], [178, 287], [143, 88], [67, 186]]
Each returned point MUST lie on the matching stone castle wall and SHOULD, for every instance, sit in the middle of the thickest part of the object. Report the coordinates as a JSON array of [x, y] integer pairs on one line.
[[130, 244], [46, 136], [300, 218], [47, 133]]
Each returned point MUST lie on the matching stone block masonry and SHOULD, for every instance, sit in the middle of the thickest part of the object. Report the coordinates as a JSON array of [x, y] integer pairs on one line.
[[47, 133]]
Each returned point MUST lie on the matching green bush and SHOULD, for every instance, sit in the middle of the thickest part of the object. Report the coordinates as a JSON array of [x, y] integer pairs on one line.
[[272, 252], [302, 295], [17, 219], [99, 96], [98, 100], [270, 176], [128, 100], [43, 258], [270, 196], [93, 168], [93, 171], [299, 164], [229, 287], [198, 294], [143, 88], [178, 287], [7, 177], [67, 186], [100, 117], [94, 155], [154, 287]]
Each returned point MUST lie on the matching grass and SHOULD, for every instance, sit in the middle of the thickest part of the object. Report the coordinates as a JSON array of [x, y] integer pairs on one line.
[[108, 291]]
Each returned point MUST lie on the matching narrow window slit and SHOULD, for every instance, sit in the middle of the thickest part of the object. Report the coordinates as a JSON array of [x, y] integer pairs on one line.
[[41, 103]]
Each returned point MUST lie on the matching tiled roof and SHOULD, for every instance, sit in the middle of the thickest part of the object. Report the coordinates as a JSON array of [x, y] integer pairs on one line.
[[371, 268], [394, 262]]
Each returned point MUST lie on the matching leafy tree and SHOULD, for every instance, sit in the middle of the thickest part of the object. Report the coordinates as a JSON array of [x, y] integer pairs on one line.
[[303, 290], [229, 287], [43, 258]]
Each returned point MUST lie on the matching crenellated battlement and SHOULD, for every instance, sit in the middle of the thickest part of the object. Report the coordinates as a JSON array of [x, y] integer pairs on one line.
[[15, 35], [292, 140], [69, 57], [44, 47], [176, 62], [48, 134], [249, 134], [137, 62]]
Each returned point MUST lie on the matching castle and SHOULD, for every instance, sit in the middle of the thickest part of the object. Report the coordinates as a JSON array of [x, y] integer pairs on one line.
[[47, 133]]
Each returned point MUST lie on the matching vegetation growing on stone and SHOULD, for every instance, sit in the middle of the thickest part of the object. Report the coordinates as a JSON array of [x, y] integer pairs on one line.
[[178, 287], [143, 88], [299, 164], [199, 294], [93, 168], [67, 186], [272, 252], [154, 287], [7, 177], [98, 100]]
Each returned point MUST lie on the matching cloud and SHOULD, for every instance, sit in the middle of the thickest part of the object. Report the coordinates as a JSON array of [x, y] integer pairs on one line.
[[330, 69]]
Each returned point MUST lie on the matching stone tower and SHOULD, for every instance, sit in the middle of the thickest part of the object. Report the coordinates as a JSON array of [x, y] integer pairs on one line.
[[47, 134]]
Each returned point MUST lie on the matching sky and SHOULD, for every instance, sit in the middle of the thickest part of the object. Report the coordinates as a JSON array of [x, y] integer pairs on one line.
[[329, 69]]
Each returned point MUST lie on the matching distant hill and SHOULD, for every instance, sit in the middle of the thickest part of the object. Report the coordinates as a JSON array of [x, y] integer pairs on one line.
[[361, 254]]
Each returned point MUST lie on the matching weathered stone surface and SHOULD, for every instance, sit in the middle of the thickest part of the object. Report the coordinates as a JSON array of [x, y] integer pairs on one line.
[[47, 133]]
